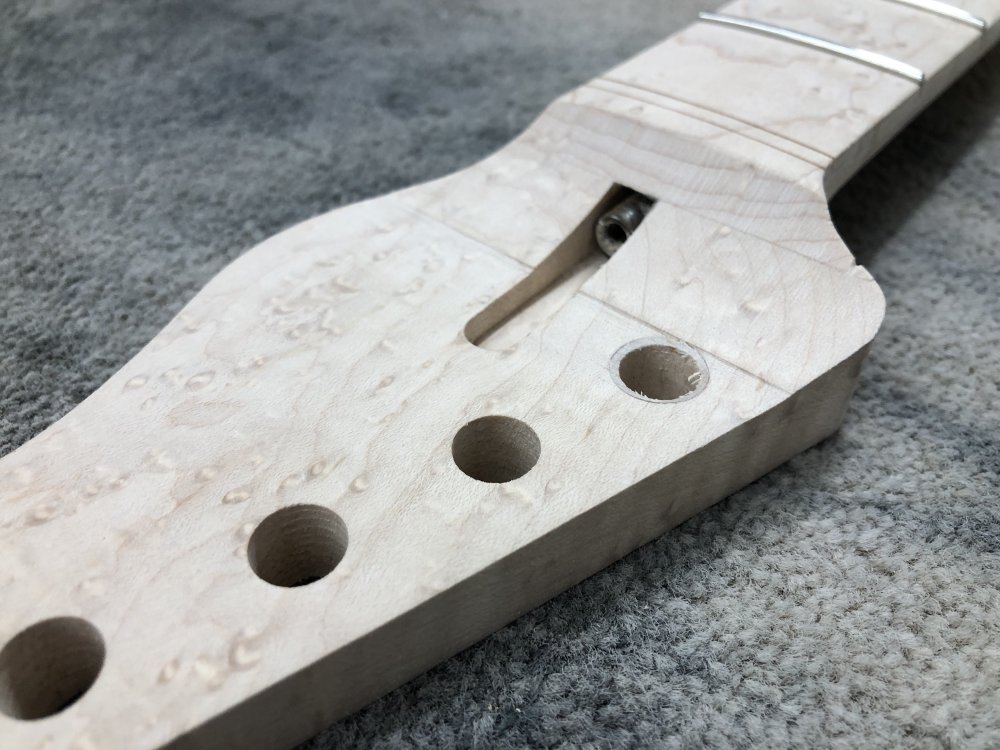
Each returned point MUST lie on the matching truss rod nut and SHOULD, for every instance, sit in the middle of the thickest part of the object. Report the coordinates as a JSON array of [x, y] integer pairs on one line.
[[617, 225]]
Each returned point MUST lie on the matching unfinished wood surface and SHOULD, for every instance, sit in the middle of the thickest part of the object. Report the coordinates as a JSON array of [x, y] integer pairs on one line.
[[389, 430]]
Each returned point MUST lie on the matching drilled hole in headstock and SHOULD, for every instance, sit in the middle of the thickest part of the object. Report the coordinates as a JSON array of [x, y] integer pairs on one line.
[[496, 449], [659, 370], [297, 545], [49, 666]]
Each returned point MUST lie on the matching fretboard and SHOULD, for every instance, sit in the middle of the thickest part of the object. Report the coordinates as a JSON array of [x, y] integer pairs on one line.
[[833, 82]]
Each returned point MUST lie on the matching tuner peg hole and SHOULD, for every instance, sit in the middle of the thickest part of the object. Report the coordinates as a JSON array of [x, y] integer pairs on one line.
[[297, 545], [48, 667], [659, 370], [496, 449]]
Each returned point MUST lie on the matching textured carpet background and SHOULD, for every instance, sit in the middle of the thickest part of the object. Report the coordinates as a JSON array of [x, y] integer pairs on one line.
[[850, 598]]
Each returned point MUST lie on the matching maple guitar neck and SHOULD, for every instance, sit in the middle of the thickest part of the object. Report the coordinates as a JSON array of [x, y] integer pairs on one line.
[[385, 432], [840, 79]]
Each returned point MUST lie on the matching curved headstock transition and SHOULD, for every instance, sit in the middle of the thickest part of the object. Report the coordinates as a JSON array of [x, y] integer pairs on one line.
[[389, 430]]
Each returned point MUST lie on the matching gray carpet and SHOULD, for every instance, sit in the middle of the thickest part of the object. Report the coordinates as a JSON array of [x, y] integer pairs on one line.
[[850, 598]]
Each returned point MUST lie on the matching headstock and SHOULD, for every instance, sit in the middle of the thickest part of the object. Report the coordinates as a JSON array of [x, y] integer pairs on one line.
[[387, 431]]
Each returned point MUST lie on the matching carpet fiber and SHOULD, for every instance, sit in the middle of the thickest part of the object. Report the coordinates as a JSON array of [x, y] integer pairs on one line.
[[850, 598]]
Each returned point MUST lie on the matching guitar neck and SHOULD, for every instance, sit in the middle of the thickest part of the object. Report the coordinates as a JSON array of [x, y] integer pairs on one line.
[[830, 82], [754, 112], [386, 432]]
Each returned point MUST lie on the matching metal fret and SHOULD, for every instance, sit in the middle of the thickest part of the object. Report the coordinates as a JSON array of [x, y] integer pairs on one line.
[[864, 56], [946, 10]]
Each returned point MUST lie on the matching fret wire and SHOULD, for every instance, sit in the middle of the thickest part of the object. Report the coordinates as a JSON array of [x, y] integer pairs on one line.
[[864, 56], [946, 10]]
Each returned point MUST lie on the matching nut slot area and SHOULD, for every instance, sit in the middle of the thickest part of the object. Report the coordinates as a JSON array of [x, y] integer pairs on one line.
[[659, 370]]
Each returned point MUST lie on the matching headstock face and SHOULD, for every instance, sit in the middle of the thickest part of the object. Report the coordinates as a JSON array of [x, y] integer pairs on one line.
[[398, 400]]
